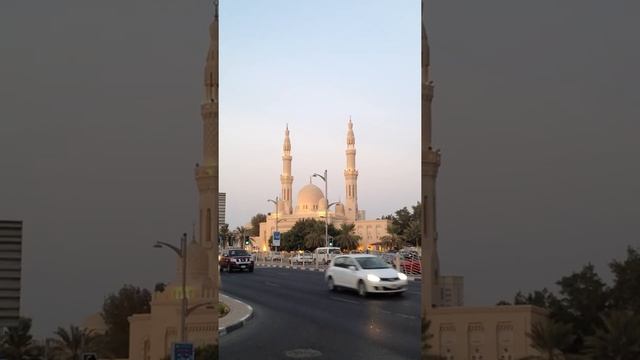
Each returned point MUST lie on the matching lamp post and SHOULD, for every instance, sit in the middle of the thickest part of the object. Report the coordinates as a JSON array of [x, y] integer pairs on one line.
[[276, 203], [182, 254], [208, 305], [326, 211]]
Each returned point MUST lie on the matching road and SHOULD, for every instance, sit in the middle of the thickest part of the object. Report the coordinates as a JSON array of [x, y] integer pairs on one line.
[[296, 317]]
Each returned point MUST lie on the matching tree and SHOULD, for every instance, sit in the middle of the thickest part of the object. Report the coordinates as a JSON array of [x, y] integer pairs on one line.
[[583, 297], [625, 293], [207, 352], [426, 338], [255, 223], [159, 287], [412, 233], [549, 338], [315, 237], [617, 339], [69, 345], [299, 238], [17, 343], [540, 298], [225, 234], [116, 310], [394, 240], [346, 238]]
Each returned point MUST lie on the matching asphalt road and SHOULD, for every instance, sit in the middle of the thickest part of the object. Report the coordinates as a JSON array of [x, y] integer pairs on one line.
[[296, 317]]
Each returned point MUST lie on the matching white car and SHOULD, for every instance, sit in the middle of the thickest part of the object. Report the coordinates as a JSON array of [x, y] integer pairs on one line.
[[274, 256], [301, 258], [365, 273], [324, 255]]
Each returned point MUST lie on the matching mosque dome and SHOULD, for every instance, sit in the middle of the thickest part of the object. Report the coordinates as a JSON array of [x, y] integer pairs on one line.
[[309, 197], [322, 205]]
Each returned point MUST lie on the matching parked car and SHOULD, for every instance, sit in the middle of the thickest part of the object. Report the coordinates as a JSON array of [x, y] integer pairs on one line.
[[236, 259], [365, 273], [301, 258], [324, 255], [274, 256]]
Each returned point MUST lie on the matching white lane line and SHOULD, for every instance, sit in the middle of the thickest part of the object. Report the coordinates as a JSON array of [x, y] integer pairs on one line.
[[345, 300], [406, 316]]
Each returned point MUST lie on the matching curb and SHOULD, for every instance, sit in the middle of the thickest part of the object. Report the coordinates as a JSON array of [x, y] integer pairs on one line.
[[410, 278], [240, 323]]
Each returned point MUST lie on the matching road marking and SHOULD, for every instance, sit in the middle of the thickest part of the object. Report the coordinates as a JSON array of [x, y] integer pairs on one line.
[[272, 284], [406, 316], [302, 353], [345, 300]]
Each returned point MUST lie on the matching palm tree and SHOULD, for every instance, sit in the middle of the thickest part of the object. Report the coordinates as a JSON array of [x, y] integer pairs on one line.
[[618, 339], [347, 238], [71, 344], [17, 343], [427, 336], [316, 237], [548, 338], [207, 352], [394, 240], [412, 233]]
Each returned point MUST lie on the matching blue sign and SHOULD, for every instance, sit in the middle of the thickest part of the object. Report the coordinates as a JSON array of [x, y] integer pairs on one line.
[[276, 238], [182, 351]]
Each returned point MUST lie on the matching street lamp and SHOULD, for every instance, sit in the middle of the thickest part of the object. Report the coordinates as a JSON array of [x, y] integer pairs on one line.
[[326, 211], [208, 305], [276, 203], [182, 254]]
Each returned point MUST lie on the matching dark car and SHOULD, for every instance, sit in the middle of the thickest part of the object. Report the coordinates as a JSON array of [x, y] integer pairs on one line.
[[236, 259]]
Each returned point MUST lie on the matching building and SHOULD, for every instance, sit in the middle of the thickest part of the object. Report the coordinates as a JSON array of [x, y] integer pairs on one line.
[[472, 333], [312, 202], [222, 208], [151, 335], [451, 290], [10, 272]]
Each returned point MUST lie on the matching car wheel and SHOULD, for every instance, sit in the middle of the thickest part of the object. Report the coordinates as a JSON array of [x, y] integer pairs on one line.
[[330, 284], [362, 288]]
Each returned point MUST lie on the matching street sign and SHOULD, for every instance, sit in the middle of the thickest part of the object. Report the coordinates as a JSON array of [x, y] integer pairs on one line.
[[89, 356], [276, 238], [182, 351]]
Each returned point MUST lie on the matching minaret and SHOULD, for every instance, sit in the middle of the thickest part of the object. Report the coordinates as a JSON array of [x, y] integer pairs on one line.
[[286, 180], [430, 165], [351, 177], [206, 174]]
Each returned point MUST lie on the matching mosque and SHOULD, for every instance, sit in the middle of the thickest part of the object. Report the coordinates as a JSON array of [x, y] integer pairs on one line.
[[312, 203]]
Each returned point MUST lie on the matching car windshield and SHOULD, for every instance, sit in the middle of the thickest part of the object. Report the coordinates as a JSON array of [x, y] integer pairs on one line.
[[372, 262], [238, 253]]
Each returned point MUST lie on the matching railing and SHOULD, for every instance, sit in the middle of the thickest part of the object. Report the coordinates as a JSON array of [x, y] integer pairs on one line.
[[407, 262]]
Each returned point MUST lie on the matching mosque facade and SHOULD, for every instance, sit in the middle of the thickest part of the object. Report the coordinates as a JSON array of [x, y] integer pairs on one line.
[[312, 203]]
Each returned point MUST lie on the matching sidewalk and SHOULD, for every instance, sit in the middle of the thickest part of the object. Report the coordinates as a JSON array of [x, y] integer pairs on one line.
[[239, 314]]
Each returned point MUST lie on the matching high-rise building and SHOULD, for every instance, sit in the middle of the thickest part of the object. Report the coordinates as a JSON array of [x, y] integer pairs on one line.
[[451, 290], [222, 205], [10, 271]]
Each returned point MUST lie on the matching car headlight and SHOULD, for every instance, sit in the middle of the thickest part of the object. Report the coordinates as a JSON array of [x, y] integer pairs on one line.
[[402, 276], [373, 278]]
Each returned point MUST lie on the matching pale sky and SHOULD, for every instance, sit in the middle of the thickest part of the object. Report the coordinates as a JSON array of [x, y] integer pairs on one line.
[[535, 111]]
